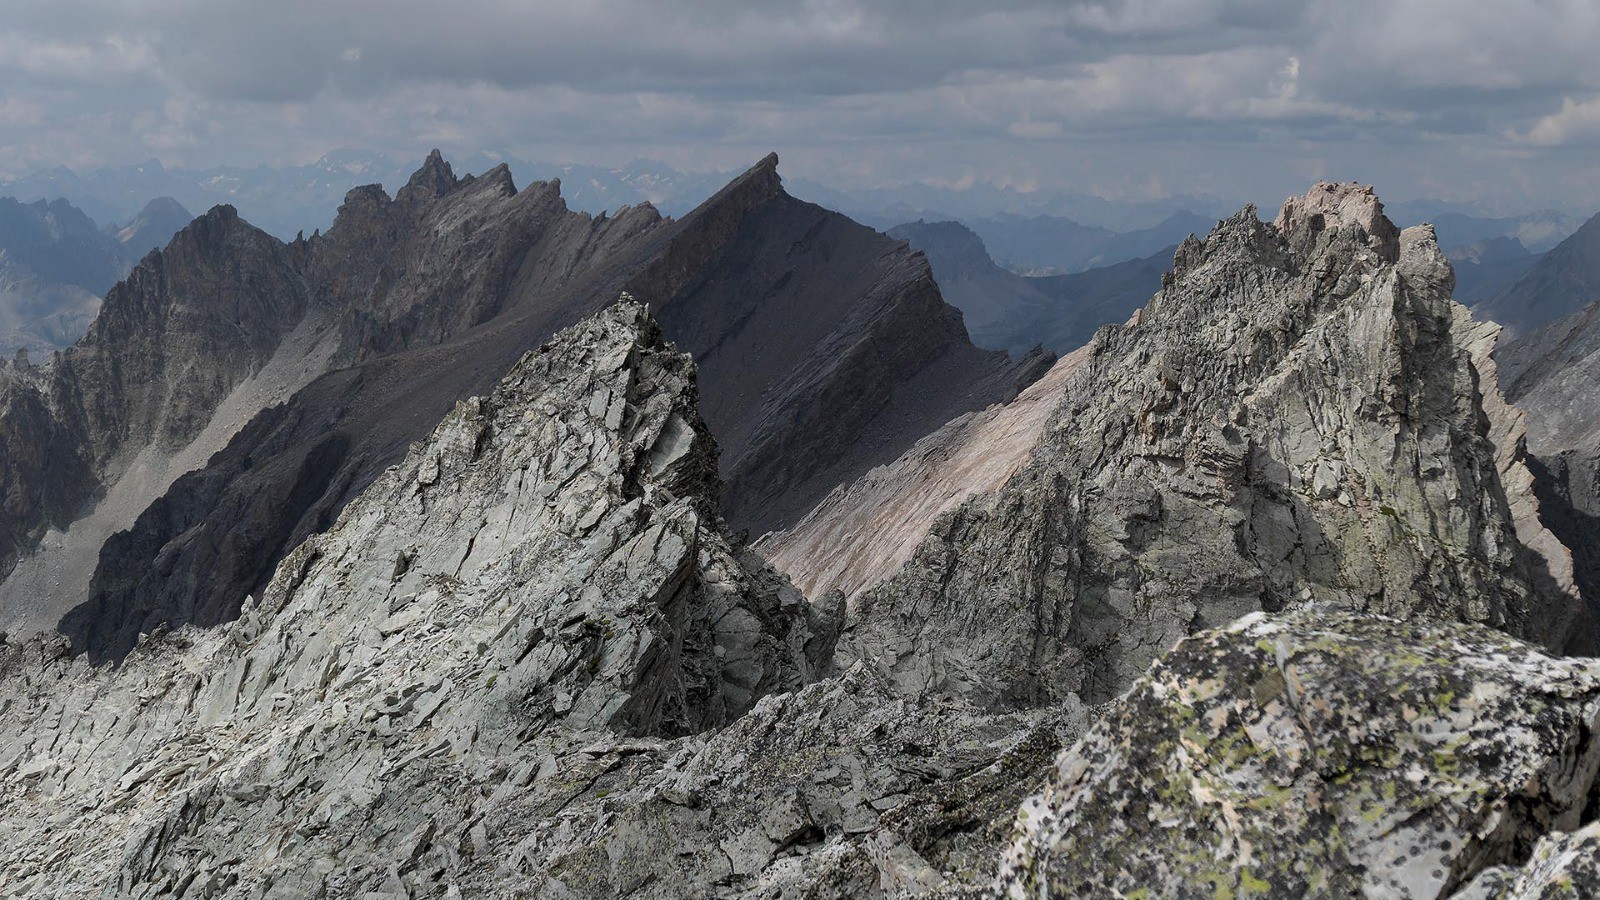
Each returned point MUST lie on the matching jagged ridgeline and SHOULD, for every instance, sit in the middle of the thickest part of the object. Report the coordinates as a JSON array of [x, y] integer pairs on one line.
[[237, 392], [527, 657], [1301, 414]]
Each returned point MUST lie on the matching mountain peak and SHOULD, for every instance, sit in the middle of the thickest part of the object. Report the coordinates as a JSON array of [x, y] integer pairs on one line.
[[759, 182], [955, 250], [1331, 205], [154, 226], [434, 179]]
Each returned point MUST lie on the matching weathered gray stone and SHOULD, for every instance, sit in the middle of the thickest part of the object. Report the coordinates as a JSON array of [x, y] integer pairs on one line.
[[1319, 753], [1296, 415], [344, 733], [1563, 867]]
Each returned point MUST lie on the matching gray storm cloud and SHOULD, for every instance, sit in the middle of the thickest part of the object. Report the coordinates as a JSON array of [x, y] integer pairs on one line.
[[1240, 97]]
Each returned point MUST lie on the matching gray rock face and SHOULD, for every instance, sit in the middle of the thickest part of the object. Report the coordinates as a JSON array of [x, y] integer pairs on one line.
[[1295, 416], [823, 349], [1320, 753], [843, 789], [536, 595]]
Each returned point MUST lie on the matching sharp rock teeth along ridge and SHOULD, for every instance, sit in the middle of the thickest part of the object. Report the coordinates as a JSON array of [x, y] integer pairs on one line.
[[1296, 415], [544, 573]]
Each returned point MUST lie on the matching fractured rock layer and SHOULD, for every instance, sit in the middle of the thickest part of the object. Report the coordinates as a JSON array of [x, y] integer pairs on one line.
[[1295, 416], [540, 580], [1320, 753]]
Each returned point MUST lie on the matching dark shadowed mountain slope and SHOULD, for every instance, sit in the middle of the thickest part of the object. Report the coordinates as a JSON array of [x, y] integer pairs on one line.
[[1551, 373], [1012, 312], [1486, 268], [823, 348], [1564, 281]]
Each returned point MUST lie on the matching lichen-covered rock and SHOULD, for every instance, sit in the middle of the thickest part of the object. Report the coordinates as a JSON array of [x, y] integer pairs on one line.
[[1563, 867], [539, 586], [1295, 416], [1317, 753]]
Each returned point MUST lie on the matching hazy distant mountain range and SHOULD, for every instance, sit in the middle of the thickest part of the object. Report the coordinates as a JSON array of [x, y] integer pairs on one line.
[[1012, 312], [285, 200], [56, 264]]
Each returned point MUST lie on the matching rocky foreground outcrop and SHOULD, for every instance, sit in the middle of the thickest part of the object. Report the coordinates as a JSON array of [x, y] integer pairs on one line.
[[1320, 753]]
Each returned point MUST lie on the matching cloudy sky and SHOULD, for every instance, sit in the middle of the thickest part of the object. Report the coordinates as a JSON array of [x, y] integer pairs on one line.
[[1488, 101]]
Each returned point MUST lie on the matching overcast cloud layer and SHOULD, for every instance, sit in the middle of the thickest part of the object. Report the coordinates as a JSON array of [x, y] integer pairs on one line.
[[1495, 102]]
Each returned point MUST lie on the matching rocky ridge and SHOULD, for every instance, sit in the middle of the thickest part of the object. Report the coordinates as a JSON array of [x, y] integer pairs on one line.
[[431, 296], [1295, 416], [542, 578], [825, 348]]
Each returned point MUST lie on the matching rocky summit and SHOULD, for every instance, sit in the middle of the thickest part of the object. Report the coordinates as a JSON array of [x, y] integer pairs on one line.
[[239, 391], [1296, 416], [1252, 595], [589, 610]]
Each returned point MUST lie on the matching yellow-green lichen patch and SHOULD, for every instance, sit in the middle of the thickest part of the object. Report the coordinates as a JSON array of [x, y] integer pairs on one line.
[[1318, 753]]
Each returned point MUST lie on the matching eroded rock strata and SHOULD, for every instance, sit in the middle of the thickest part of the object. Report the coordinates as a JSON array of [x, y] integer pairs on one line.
[[541, 579], [196, 442], [1295, 416]]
